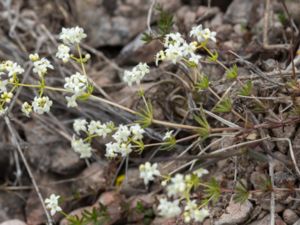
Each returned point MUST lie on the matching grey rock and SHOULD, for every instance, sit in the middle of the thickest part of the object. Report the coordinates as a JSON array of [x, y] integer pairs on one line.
[[257, 179], [294, 9], [115, 22], [266, 221], [137, 51], [187, 16], [239, 11], [48, 153], [235, 213], [296, 144], [265, 204], [279, 165], [134, 184], [297, 222], [269, 65], [95, 178], [13, 222], [11, 206], [284, 179], [290, 217], [286, 132]]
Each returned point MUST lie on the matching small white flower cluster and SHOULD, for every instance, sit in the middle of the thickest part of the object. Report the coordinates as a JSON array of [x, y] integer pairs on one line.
[[69, 36], [179, 186], [40, 105], [52, 204], [168, 135], [40, 66], [92, 129], [11, 68], [136, 74], [192, 212], [63, 53], [77, 84], [203, 34], [124, 136], [82, 147], [177, 49], [148, 172], [168, 209]]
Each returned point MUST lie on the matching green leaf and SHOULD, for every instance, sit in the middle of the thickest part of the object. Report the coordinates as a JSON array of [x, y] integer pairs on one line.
[[146, 37], [75, 220], [247, 88], [145, 116], [232, 73], [212, 192], [214, 57], [282, 17], [169, 144], [204, 131], [295, 110], [97, 216], [86, 95], [140, 207], [165, 21], [203, 83], [241, 193], [224, 106]]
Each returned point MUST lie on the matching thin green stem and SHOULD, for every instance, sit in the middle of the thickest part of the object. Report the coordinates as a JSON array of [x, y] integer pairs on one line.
[[81, 59]]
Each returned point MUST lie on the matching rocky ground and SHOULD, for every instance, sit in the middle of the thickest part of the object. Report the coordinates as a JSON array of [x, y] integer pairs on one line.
[[114, 29]]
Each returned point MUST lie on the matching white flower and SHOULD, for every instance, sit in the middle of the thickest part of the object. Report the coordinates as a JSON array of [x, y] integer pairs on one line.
[[13, 68], [122, 134], [203, 34], [177, 185], [194, 58], [168, 135], [137, 132], [71, 101], [34, 57], [125, 149], [136, 74], [168, 209], [188, 211], [81, 147], [111, 150], [41, 104], [63, 53], [52, 204], [174, 39], [80, 125], [192, 212], [7, 96], [95, 127], [71, 36], [26, 108], [173, 53], [77, 83], [41, 66], [200, 172], [200, 215], [148, 171], [188, 49]]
